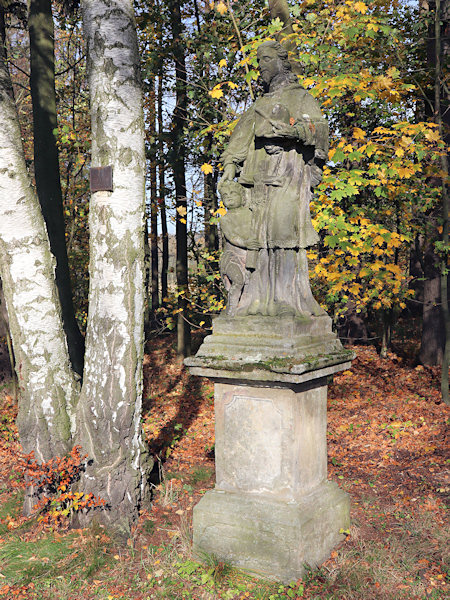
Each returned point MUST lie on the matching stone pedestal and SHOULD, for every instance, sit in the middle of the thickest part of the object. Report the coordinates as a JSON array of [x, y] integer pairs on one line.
[[272, 510]]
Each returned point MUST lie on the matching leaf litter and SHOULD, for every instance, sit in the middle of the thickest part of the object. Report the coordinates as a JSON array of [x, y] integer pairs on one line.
[[387, 447]]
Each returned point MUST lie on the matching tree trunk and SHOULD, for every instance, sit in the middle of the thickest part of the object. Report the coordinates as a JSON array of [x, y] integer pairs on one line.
[[210, 204], [434, 347], [435, 321], [110, 402], [48, 390], [387, 318], [4, 332], [162, 192], [433, 330], [46, 163], [441, 107], [178, 159], [153, 205]]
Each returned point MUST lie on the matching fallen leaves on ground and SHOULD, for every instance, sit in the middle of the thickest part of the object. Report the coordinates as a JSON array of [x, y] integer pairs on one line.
[[387, 447]]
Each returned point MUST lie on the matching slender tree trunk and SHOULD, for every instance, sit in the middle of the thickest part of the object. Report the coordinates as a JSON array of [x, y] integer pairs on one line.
[[153, 200], [435, 325], [178, 159], [110, 403], [210, 200], [387, 330], [438, 92], [4, 332], [46, 162], [48, 390], [147, 271], [162, 191], [211, 204], [2, 30]]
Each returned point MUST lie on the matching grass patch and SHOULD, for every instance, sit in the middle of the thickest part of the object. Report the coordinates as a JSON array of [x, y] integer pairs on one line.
[[41, 557], [10, 509], [24, 562], [200, 475]]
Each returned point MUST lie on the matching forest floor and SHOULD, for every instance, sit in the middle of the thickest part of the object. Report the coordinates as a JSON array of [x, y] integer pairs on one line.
[[387, 448]]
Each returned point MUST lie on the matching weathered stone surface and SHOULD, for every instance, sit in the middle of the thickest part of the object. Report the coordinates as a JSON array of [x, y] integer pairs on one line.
[[272, 511], [270, 441], [276, 152], [270, 348], [267, 537]]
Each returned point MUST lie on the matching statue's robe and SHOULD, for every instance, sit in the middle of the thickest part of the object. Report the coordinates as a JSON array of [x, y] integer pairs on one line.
[[276, 173]]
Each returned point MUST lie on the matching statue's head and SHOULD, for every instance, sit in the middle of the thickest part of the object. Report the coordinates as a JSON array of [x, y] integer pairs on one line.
[[273, 60], [231, 193]]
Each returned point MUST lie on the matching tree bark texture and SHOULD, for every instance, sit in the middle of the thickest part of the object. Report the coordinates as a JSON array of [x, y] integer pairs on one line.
[[178, 159], [442, 16], [162, 192], [153, 199], [435, 321], [46, 163], [110, 402], [433, 329], [48, 390]]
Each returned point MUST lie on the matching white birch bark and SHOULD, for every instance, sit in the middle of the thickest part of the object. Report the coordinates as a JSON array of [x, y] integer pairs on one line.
[[48, 390], [109, 410]]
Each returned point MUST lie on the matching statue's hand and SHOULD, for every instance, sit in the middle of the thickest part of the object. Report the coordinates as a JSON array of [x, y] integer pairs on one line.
[[229, 172], [284, 130]]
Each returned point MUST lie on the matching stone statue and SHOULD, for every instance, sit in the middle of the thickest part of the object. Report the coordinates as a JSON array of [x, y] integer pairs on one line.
[[273, 160], [272, 510]]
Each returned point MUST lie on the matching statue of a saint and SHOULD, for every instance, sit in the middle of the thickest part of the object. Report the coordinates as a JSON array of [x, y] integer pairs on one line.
[[276, 152]]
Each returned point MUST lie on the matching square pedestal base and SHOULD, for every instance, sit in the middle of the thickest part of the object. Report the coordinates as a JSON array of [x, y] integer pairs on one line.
[[271, 538]]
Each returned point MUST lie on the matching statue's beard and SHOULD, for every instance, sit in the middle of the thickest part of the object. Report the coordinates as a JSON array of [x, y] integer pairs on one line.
[[280, 80]]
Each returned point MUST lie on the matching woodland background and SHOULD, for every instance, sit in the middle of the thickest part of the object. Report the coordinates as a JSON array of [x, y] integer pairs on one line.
[[379, 209], [381, 270]]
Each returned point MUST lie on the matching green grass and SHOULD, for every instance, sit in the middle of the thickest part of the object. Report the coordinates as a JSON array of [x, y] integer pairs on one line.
[[72, 566], [11, 509], [24, 562], [200, 475], [50, 557]]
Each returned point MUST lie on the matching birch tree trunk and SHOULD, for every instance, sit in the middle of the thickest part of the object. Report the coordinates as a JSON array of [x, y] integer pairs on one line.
[[109, 410], [48, 389]]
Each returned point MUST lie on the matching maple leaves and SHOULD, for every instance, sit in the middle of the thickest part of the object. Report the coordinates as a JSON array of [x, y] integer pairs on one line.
[[206, 168], [217, 91], [387, 158], [359, 7], [52, 483], [374, 191], [221, 8]]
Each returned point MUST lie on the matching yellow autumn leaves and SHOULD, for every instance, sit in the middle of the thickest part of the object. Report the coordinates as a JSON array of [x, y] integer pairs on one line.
[[217, 92], [206, 168]]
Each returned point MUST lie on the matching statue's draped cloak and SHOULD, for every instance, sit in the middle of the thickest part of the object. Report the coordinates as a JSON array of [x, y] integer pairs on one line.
[[276, 172], [274, 223]]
